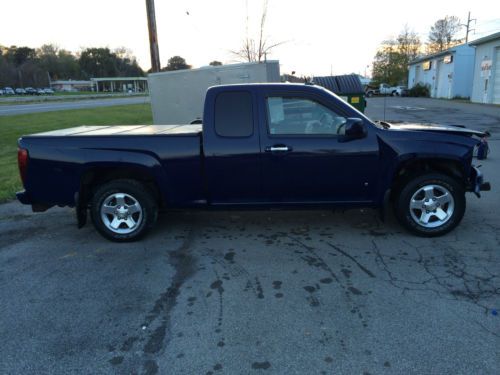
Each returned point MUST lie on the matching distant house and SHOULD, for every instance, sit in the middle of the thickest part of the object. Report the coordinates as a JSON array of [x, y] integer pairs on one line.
[[486, 81], [71, 85], [120, 84], [448, 73]]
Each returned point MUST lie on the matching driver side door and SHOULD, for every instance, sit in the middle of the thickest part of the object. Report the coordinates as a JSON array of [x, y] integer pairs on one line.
[[305, 158]]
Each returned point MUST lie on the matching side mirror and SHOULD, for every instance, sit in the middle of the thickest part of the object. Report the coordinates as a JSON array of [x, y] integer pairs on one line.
[[355, 128]]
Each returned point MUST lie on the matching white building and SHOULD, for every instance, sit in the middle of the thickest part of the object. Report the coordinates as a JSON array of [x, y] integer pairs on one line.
[[448, 73], [71, 86], [486, 83], [120, 84]]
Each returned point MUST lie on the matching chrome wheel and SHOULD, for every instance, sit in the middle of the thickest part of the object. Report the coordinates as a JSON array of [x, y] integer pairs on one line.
[[432, 206], [121, 213]]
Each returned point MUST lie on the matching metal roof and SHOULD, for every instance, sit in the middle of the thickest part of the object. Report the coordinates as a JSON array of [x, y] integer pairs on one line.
[[340, 85], [485, 39], [105, 79], [437, 54], [70, 82]]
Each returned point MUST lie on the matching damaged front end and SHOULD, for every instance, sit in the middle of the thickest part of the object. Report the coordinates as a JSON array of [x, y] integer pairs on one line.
[[476, 182]]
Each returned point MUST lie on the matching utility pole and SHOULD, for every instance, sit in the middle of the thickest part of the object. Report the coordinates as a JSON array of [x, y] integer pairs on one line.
[[153, 36], [467, 26]]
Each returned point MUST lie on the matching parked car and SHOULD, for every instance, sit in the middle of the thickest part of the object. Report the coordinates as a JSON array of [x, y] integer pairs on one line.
[[20, 91], [1, 92], [385, 89], [30, 91], [48, 91], [259, 146], [401, 91], [40, 92], [9, 91]]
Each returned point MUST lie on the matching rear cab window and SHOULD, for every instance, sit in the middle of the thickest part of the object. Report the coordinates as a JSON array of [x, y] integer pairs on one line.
[[234, 114]]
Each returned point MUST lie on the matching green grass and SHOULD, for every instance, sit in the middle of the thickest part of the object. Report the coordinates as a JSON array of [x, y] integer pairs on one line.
[[66, 97], [13, 127]]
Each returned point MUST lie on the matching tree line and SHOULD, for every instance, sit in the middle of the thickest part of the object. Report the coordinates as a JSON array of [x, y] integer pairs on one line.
[[391, 61], [25, 66]]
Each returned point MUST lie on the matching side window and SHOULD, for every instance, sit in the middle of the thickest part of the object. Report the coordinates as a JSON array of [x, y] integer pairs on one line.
[[234, 114], [295, 116]]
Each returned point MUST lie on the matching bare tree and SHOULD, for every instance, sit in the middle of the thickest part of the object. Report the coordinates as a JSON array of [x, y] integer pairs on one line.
[[442, 34], [253, 50], [409, 43]]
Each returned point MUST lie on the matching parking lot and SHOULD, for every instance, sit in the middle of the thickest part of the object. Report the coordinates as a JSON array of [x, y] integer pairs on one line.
[[425, 110], [285, 292]]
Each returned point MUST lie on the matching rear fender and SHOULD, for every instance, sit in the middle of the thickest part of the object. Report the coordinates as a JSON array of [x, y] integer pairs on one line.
[[117, 163]]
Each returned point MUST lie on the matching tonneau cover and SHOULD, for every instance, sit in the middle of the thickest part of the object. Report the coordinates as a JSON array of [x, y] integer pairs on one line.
[[123, 130]]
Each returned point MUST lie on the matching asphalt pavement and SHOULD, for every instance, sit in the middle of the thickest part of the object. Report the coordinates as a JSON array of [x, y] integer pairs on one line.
[[437, 111], [259, 292], [18, 109]]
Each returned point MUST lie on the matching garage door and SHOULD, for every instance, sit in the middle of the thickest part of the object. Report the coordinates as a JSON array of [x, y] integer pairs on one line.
[[496, 79], [443, 83], [417, 74]]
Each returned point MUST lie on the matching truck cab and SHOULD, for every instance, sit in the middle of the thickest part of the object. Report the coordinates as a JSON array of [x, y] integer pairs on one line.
[[288, 145]]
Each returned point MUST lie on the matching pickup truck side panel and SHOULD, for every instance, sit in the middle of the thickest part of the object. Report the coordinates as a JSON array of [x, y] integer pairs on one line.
[[67, 160], [232, 164]]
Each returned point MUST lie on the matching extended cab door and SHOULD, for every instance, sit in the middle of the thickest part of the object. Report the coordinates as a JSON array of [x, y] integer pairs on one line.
[[306, 157], [231, 146]]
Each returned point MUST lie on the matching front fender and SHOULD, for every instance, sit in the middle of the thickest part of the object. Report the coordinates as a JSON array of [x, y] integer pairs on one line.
[[397, 153]]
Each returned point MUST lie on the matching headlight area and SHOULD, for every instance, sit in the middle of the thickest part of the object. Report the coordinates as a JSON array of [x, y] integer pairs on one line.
[[477, 183]]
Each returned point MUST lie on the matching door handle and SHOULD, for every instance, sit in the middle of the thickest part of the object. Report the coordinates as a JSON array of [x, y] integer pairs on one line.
[[278, 148]]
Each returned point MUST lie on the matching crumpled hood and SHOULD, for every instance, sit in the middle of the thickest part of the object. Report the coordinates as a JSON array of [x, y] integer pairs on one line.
[[457, 130]]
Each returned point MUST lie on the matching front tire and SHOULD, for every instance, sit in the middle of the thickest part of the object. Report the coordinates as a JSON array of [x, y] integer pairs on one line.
[[123, 210], [430, 205]]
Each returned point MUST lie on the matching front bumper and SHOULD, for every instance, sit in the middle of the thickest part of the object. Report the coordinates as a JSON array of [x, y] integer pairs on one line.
[[477, 182]]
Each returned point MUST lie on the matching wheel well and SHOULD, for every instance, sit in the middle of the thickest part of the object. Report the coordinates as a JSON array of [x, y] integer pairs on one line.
[[96, 177], [412, 168]]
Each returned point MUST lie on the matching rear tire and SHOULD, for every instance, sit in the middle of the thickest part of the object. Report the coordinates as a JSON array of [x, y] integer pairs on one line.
[[123, 210], [430, 205]]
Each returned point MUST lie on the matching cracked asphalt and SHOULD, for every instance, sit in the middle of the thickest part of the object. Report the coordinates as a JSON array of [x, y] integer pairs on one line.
[[259, 292]]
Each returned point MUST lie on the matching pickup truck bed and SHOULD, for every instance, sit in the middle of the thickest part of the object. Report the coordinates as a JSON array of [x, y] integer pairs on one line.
[[92, 131], [84, 149]]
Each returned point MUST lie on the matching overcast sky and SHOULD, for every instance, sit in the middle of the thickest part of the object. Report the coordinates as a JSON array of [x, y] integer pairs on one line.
[[320, 35]]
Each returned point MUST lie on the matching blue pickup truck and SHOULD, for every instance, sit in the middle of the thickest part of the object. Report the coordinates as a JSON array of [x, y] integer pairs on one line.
[[258, 146]]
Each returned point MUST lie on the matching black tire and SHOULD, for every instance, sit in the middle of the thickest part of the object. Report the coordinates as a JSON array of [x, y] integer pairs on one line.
[[136, 197], [437, 184]]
